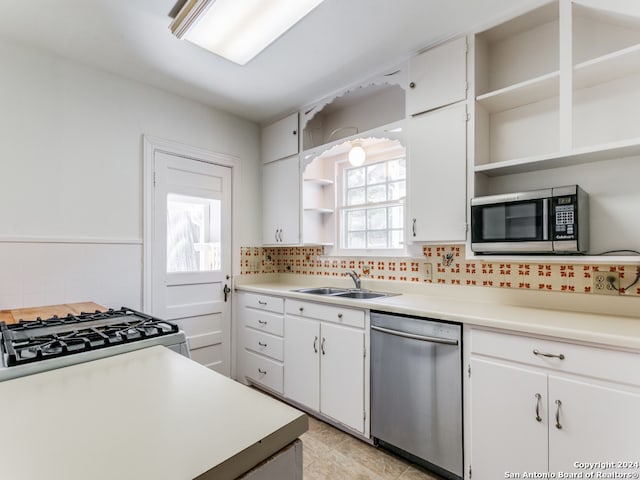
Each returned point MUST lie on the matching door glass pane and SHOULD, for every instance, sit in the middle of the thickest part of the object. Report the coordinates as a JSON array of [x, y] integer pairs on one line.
[[193, 234]]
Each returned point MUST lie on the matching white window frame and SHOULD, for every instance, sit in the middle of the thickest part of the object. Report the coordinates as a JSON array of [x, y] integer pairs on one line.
[[340, 250]]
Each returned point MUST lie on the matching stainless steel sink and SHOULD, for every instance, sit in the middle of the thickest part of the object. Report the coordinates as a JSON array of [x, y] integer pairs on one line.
[[344, 292], [323, 290], [362, 295]]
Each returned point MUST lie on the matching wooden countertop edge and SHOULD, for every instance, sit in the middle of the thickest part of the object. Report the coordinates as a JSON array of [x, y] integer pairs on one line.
[[16, 314]]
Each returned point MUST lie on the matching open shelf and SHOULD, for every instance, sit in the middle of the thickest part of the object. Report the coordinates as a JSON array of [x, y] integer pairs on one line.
[[575, 157], [318, 181], [608, 67], [319, 210], [523, 93]]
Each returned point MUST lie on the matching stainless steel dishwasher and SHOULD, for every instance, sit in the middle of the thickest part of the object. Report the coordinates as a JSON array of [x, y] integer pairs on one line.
[[416, 390]]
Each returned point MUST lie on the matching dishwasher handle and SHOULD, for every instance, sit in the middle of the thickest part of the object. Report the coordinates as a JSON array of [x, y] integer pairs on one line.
[[422, 338]]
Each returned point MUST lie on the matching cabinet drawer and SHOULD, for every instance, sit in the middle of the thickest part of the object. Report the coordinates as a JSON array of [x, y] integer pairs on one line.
[[594, 362], [264, 343], [263, 302], [264, 321], [264, 371], [328, 313]]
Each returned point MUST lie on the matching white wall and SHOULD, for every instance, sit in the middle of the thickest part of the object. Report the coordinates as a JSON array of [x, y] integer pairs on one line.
[[71, 171]]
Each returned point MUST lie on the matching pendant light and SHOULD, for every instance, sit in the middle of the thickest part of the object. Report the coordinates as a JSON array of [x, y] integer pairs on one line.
[[357, 154]]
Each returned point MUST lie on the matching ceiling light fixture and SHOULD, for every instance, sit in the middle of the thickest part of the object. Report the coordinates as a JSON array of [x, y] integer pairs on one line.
[[357, 155], [238, 30]]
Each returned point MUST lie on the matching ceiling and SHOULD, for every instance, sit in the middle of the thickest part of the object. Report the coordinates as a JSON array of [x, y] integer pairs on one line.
[[339, 43]]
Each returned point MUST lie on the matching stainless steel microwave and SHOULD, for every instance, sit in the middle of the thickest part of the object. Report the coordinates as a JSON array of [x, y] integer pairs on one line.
[[552, 220]]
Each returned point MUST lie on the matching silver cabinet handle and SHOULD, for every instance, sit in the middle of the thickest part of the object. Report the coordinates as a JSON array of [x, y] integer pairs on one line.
[[413, 336], [339, 315], [315, 344], [548, 355], [280, 235], [260, 302], [263, 372], [262, 344], [322, 346], [558, 404], [276, 235], [262, 322], [538, 399], [413, 227]]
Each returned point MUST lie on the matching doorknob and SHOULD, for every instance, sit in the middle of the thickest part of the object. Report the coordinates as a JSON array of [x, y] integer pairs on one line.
[[226, 290]]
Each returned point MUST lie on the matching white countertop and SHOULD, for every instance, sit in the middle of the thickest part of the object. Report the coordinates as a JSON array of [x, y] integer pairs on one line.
[[147, 414], [597, 328]]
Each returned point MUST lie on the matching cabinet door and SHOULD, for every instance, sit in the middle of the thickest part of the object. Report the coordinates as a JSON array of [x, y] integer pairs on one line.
[[505, 434], [437, 77], [598, 424], [302, 361], [280, 139], [281, 202], [342, 375], [437, 156]]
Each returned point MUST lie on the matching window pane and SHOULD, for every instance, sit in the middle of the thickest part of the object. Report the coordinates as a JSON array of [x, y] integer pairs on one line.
[[193, 234], [356, 220], [397, 169], [377, 239], [377, 218], [356, 240], [377, 193], [397, 190], [355, 196], [396, 217], [376, 173], [355, 177], [396, 238]]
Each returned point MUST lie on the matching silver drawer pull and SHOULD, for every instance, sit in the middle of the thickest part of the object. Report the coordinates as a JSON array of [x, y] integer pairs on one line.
[[315, 344], [538, 399], [262, 344], [322, 346], [558, 404], [339, 315], [261, 302], [262, 322], [301, 309], [263, 372], [548, 355]]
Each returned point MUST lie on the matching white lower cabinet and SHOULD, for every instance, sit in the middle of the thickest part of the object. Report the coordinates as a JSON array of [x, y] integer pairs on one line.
[[541, 406], [261, 343], [325, 368]]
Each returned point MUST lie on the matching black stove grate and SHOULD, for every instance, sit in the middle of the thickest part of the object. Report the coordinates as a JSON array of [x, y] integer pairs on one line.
[[34, 340]]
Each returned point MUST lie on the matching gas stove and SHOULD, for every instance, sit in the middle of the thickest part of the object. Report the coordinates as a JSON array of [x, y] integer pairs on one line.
[[32, 346]]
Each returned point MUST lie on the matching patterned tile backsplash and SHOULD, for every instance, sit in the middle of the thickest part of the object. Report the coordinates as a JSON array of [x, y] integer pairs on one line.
[[448, 266]]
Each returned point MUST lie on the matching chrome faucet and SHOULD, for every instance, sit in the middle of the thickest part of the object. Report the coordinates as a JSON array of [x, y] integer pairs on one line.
[[356, 279]]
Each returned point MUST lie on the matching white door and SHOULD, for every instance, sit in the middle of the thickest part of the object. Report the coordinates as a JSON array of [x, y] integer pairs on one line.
[[438, 77], [342, 375], [593, 423], [438, 175], [281, 202], [509, 420], [191, 254], [302, 361]]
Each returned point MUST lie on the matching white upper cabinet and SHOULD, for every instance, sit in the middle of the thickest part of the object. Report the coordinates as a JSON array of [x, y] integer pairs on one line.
[[437, 164], [281, 202], [280, 139], [437, 77]]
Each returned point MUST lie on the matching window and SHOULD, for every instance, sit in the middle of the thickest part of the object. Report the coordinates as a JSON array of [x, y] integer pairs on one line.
[[193, 234], [372, 211]]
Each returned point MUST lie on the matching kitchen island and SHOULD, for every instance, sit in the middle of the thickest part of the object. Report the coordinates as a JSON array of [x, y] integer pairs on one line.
[[146, 414]]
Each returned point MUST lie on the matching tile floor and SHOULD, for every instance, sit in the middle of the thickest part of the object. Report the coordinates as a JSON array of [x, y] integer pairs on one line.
[[329, 454]]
